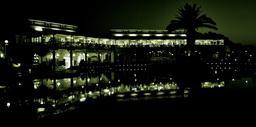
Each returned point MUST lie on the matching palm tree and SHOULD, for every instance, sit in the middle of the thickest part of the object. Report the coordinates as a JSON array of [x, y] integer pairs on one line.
[[190, 19]]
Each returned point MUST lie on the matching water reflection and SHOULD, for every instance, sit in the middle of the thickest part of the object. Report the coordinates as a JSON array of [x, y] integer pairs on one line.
[[58, 95], [53, 94]]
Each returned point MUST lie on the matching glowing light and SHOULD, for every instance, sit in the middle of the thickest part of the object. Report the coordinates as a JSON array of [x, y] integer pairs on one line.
[[16, 65], [19, 84], [58, 83], [183, 35], [70, 30], [74, 81], [146, 35], [71, 97], [118, 35], [159, 35], [1, 55], [134, 94], [38, 28], [88, 80], [55, 29], [8, 104], [132, 35], [171, 35], [173, 92], [246, 81], [82, 99], [120, 95], [147, 94], [159, 93], [41, 109], [186, 91]]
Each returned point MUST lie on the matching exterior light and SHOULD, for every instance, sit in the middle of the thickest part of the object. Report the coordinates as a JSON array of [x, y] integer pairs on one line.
[[183, 35], [40, 109], [118, 35], [1, 55], [173, 92], [58, 83], [171, 35], [55, 29], [8, 104], [82, 99], [134, 94], [70, 30], [159, 35], [120, 95], [132, 35], [35, 86], [160, 93], [38, 28], [146, 35], [19, 84], [147, 94], [6, 42], [71, 97], [246, 81]]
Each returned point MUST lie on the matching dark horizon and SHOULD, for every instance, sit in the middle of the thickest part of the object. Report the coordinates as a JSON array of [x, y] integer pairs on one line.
[[234, 19]]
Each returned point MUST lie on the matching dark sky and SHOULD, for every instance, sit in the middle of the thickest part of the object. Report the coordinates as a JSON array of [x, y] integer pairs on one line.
[[235, 18]]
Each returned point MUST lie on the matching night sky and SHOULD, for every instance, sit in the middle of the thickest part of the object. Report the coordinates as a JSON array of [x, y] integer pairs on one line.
[[235, 18]]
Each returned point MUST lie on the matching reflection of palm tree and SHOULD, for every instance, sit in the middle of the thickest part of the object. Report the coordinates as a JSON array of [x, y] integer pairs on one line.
[[190, 18]]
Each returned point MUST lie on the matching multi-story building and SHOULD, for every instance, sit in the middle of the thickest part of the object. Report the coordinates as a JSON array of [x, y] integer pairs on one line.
[[65, 48]]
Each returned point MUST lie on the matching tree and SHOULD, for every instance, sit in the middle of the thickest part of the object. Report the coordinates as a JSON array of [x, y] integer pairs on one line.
[[189, 70], [190, 19]]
